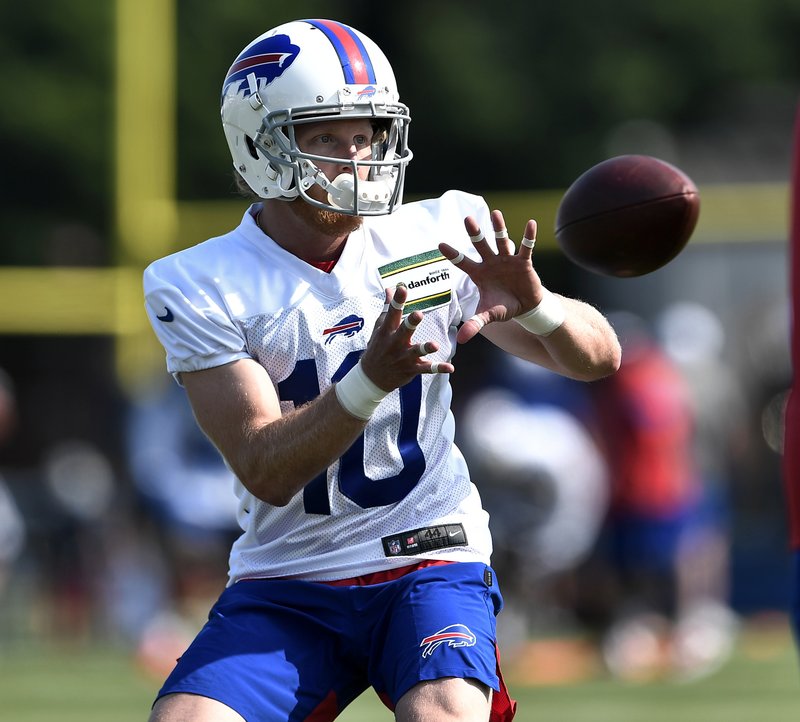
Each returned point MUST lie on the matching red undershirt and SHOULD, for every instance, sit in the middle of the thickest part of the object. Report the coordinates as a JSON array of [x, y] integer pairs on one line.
[[326, 266]]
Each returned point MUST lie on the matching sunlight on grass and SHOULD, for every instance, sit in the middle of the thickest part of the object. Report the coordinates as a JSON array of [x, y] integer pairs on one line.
[[760, 684]]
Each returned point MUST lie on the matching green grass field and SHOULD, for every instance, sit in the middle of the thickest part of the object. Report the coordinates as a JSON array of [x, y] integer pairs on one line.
[[760, 684]]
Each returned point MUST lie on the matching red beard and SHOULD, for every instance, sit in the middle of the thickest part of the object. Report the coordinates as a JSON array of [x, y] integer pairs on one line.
[[327, 222]]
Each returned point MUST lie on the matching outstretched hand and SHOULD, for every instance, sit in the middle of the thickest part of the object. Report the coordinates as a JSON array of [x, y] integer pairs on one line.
[[507, 282], [391, 359]]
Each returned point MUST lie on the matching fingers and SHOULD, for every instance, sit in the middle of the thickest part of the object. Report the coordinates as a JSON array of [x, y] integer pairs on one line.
[[477, 237], [457, 258], [426, 348], [438, 367], [505, 247], [420, 350], [393, 324], [528, 241], [396, 302], [392, 313], [412, 321], [471, 327], [479, 242]]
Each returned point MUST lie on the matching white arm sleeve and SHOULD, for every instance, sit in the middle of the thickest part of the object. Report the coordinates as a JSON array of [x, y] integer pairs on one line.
[[191, 319]]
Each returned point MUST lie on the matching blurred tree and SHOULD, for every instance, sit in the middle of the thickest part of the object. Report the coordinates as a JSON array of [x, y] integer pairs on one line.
[[532, 92], [513, 95], [56, 70]]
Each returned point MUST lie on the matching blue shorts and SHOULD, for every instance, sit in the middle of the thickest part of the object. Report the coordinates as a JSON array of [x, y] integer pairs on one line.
[[644, 542], [279, 650]]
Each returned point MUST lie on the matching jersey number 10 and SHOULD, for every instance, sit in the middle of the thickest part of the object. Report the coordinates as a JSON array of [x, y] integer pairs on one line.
[[301, 386]]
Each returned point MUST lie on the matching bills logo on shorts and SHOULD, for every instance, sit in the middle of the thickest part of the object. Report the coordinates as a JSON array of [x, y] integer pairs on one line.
[[456, 635]]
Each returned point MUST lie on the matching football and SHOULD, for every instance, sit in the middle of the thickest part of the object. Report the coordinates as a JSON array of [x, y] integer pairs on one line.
[[627, 216]]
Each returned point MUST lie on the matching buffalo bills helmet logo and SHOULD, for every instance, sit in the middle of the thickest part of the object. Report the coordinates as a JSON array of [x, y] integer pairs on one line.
[[267, 59], [368, 92], [348, 326], [456, 635]]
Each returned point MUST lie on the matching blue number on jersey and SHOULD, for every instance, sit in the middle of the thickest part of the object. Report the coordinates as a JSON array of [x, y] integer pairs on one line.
[[301, 386]]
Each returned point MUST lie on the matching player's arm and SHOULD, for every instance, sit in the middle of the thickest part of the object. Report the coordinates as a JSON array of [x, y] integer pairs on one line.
[[583, 346], [275, 454]]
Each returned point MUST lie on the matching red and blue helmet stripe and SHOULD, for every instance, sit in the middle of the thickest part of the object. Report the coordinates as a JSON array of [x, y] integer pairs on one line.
[[355, 60], [269, 58]]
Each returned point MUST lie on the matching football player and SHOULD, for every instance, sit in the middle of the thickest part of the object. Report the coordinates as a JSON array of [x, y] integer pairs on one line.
[[315, 342]]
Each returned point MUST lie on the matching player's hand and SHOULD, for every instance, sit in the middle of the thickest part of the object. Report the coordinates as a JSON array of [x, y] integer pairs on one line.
[[391, 359], [507, 281]]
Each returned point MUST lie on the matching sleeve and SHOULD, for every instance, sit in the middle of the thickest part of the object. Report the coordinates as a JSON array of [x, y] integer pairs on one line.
[[190, 319]]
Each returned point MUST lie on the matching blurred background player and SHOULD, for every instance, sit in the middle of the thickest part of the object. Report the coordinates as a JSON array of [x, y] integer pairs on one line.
[[791, 446], [545, 484], [12, 525], [661, 587], [168, 454]]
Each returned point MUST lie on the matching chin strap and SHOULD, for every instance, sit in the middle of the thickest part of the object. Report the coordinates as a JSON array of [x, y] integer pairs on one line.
[[345, 193], [372, 195]]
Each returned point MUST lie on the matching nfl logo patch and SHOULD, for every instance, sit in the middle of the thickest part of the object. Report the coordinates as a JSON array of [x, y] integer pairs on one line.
[[394, 546]]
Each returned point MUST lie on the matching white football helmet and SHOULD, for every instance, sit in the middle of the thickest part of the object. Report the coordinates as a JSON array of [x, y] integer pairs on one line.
[[302, 72]]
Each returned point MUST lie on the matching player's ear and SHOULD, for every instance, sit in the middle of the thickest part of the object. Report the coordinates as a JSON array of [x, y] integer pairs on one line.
[[380, 132]]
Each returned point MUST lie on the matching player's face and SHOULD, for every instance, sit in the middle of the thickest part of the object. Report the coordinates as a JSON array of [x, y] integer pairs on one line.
[[345, 139]]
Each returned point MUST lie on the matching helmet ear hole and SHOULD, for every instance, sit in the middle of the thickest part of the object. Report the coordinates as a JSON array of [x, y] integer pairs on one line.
[[251, 147]]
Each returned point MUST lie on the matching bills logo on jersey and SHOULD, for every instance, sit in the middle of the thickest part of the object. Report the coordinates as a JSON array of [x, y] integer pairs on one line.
[[347, 327], [267, 59], [456, 635]]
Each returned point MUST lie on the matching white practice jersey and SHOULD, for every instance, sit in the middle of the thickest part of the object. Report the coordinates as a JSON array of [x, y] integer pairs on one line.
[[398, 492]]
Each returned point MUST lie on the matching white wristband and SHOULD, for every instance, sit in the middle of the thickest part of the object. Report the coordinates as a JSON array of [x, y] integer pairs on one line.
[[545, 318], [357, 394]]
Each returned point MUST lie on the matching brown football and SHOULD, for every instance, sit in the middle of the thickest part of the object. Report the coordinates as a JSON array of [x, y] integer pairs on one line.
[[627, 216]]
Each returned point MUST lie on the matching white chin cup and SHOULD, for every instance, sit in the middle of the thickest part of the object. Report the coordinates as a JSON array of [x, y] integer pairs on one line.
[[372, 195]]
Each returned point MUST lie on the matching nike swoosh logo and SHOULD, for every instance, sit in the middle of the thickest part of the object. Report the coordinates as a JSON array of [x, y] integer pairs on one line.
[[167, 317], [454, 533]]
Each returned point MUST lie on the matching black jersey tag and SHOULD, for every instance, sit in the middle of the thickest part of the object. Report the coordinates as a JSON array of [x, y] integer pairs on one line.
[[419, 541]]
